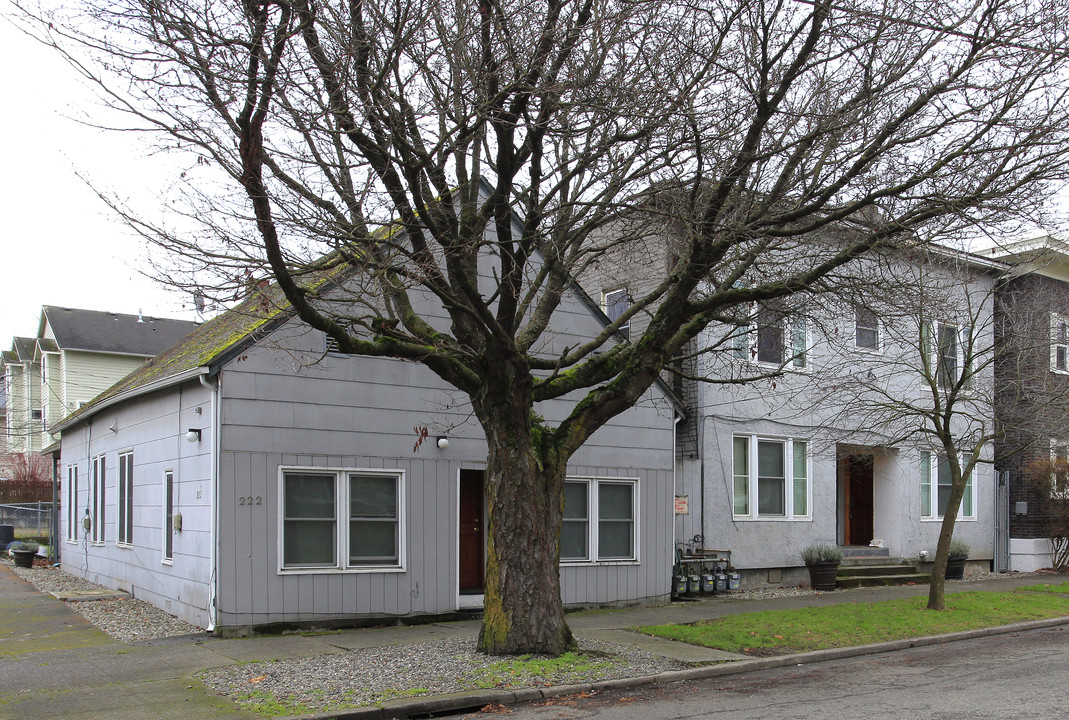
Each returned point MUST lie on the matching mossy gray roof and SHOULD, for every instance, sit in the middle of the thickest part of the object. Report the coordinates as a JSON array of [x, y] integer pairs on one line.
[[208, 346]]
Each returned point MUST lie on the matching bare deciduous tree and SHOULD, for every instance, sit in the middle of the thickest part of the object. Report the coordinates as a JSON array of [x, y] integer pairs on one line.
[[27, 478], [485, 152]]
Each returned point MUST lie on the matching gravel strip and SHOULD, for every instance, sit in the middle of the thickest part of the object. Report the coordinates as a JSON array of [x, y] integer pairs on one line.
[[371, 676], [128, 621]]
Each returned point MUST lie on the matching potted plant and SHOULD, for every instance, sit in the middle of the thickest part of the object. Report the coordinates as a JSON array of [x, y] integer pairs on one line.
[[823, 560], [23, 552], [956, 557]]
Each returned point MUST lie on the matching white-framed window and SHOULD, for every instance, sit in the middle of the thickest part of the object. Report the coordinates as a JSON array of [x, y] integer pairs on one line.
[[341, 519], [72, 503], [599, 520], [97, 497], [615, 303], [1059, 472], [168, 516], [936, 484], [770, 478], [125, 502], [866, 329], [1059, 343], [946, 347], [775, 338]]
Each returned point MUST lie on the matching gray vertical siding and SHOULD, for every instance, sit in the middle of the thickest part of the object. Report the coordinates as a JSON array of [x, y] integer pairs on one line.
[[154, 429], [358, 413]]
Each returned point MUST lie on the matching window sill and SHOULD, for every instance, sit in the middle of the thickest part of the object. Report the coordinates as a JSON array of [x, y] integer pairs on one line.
[[597, 563], [772, 518], [334, 570], [169, 562], [124, 545], [939, 519]]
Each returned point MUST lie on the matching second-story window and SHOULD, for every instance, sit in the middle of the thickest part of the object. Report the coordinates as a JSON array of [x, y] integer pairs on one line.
[[946, 368], [1059, 343], [781, 338], [616, 303], [866, 329]]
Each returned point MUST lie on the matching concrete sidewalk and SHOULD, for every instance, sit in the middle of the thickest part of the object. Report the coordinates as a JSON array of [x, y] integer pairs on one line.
[[55, 664]]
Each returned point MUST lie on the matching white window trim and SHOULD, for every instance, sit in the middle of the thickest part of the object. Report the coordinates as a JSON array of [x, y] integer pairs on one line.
[[73, 521], [878, 350], [933, 489], [962, 337], [593, 519], [124, 515], [97, 496], [168, 526], [1055, 319], [788, 480], [341, 520], [1054, 494], [625, 329], [745, 339]]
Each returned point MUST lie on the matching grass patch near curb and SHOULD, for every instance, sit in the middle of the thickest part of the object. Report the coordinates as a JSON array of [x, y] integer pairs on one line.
[[780, 632], [1046, 588], [536, 670]]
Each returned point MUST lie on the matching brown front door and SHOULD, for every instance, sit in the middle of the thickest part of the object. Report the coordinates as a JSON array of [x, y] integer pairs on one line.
[[859, 500], [472, 559]]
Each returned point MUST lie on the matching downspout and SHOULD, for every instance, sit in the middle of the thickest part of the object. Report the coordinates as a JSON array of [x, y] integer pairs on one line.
[[675, 489], [213, 533]]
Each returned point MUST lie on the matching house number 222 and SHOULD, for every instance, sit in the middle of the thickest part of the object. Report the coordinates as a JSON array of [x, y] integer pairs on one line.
[[250, 500]]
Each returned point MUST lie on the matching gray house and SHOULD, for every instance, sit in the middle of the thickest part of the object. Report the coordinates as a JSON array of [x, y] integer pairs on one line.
[[250, 476], [809, 432]]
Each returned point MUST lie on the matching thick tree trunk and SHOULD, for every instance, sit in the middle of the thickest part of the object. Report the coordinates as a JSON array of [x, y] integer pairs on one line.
[[523, 610]]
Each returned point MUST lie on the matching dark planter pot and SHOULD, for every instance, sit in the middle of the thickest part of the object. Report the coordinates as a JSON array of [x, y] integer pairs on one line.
[[24, 558], [955, 568], [822, 575]]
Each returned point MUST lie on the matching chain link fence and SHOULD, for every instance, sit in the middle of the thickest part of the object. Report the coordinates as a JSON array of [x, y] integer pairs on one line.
[[28, 519]]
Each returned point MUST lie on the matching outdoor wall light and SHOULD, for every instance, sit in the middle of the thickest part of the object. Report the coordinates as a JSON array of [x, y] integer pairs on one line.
[[443, 442], [193, 435]]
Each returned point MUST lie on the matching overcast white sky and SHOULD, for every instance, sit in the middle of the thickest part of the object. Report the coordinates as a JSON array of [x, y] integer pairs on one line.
[[59, 246]]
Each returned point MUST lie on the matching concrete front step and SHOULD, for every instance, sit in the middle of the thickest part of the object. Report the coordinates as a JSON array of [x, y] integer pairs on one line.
[[863, 551], [876, 570], [881, 580], [875, 561]]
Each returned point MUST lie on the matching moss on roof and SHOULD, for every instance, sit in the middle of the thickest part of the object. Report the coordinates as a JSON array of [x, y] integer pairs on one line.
[[206, 345]]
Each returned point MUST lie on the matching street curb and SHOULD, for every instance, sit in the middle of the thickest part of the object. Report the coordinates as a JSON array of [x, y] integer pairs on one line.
[[473, 701]]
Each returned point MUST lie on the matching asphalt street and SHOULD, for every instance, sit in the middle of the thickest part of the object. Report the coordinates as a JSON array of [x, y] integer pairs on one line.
[[1005, 677]]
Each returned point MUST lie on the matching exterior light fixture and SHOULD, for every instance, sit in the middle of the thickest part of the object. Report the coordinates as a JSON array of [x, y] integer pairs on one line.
[[193, 435], [443, 442]]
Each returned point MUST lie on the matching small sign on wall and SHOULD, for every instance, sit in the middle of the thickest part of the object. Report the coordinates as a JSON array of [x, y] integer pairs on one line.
[[682, 505]]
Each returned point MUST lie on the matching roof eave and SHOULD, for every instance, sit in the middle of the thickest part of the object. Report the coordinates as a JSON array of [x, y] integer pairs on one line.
[[160, 384]]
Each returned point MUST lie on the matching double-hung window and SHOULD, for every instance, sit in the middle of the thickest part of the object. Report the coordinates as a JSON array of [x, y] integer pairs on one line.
[[126, 498], [97, 495], [1059, 343], [599, 521], [781, 338], [947, 350], [341, 519], [770, 478], [866, 329], [936, 486]]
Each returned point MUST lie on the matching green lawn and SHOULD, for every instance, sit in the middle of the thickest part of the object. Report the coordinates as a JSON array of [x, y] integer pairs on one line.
[[776, 632]]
